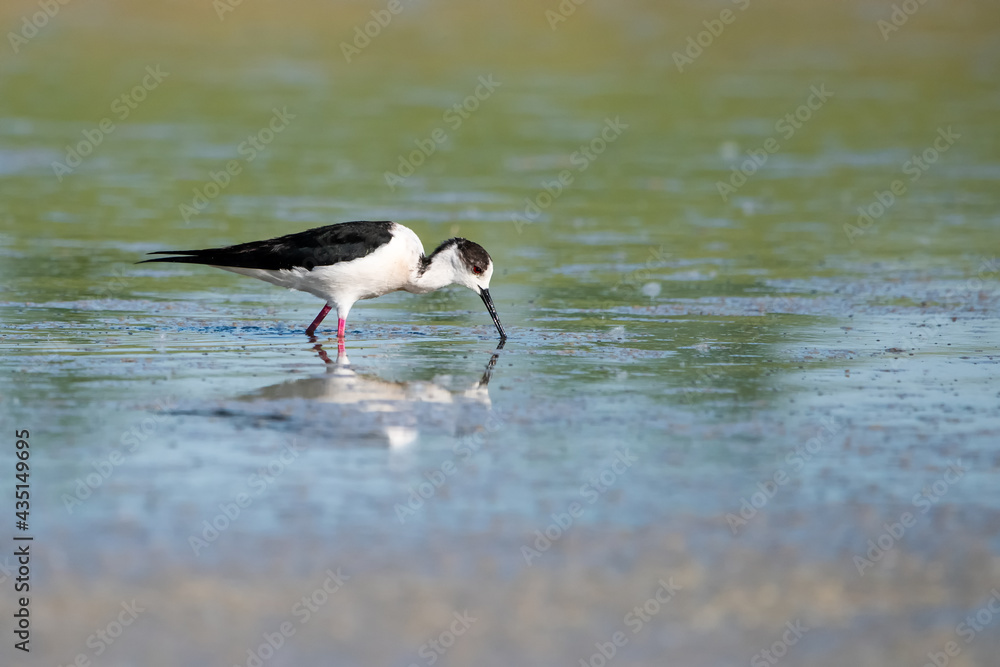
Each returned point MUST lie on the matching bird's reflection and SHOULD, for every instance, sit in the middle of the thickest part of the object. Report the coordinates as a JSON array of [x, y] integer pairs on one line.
[[393, 412], [341, 368]]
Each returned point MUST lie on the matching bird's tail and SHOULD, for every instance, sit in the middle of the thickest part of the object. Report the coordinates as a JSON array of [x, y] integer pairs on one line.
[[187, 257]]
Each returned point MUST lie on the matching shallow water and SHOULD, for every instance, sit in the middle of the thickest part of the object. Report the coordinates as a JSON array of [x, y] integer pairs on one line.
[[743, 400]]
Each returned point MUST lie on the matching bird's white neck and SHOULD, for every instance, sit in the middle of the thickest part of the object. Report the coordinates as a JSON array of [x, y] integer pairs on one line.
[[439, 273]]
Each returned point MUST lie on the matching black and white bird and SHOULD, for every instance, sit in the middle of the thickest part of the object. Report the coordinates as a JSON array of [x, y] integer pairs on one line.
[[350, 261]]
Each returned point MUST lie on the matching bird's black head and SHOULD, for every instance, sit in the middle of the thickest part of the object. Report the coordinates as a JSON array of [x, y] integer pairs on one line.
[[466, 257], [474, 256], [472, 266]]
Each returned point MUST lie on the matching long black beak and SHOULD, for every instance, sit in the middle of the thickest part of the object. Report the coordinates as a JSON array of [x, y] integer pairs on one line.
[[485, 295]]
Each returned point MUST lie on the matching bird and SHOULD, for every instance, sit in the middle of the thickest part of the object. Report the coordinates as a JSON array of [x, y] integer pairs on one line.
[[349, 261]]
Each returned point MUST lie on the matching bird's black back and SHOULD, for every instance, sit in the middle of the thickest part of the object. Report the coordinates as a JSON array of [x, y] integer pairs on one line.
[[321, 246]]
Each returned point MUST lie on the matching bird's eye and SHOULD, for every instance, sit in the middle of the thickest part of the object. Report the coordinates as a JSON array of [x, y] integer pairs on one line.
[[478, 270]]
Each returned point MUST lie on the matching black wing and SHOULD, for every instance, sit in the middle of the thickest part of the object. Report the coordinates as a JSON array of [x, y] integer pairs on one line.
[[321, 246]]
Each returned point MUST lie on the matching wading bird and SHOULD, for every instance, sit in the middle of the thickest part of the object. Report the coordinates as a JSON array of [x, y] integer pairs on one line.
[[350, 261]]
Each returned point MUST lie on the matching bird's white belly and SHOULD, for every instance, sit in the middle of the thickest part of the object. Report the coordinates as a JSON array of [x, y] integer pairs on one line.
[[364, 278]]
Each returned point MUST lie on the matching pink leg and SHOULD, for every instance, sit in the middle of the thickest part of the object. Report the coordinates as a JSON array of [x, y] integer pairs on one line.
[[319, 318], [341, 323]]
